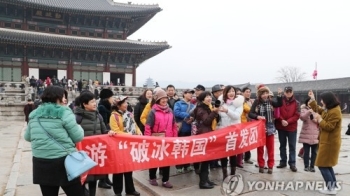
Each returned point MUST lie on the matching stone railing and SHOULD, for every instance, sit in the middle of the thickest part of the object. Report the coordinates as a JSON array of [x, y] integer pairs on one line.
[[14, 93], [136, 91], [13, 97]]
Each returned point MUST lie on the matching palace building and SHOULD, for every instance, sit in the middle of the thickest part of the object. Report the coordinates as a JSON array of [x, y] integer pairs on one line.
[[78, 39]]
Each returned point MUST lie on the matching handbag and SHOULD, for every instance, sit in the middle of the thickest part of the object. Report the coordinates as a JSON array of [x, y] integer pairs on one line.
[[270, 128], [76, 163]]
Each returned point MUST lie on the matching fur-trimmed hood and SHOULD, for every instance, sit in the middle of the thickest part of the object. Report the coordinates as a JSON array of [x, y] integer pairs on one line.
[[49, 110]]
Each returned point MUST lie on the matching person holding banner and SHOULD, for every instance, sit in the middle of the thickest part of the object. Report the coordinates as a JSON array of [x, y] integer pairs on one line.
[[262, 109], [87, 115], [161, 123], [182, 111], [54, 118], [122, 122], [231, 112], [207, 117]]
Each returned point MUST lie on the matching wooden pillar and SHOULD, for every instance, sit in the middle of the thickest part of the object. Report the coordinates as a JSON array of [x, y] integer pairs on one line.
[[134, 75], [25, 67], [70, 66], [24, 23], [106, 68], [105, 34], [69, 30]]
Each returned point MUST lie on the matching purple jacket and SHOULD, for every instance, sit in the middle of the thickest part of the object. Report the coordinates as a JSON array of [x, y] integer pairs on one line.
[[309, 131]]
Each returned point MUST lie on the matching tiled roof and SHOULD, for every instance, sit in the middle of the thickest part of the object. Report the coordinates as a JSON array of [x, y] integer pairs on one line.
[[83, 43], [104, 7], [304, 86]]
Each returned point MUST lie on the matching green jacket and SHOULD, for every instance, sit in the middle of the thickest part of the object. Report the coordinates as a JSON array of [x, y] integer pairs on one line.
[[60, 122]]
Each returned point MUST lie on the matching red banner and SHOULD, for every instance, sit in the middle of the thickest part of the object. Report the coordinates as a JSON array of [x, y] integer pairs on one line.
[[123, 153]]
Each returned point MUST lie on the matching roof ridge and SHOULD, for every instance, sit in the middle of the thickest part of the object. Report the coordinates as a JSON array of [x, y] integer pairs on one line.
[[130, 4], [81, 38], [95, 6]]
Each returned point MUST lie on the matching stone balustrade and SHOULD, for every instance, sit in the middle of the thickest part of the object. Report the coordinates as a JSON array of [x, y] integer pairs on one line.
[[14, 93], [136, 91]]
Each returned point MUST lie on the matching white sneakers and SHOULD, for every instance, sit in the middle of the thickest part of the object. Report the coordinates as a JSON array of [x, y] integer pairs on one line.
[[327, 191]]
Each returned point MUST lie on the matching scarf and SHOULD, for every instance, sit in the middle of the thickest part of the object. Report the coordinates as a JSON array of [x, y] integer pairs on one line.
[[214, 123], [164, 108], [229, 101], [128, 122], [266, 109]]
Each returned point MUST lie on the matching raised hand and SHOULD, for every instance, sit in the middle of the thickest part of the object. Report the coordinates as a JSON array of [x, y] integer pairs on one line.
[[279, 91], [311, 94]]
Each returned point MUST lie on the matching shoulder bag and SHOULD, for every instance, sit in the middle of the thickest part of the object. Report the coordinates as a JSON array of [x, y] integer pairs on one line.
[[76, 163]]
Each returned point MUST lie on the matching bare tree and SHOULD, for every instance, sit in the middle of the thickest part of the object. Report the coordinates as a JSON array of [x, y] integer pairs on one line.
[[290, 74]]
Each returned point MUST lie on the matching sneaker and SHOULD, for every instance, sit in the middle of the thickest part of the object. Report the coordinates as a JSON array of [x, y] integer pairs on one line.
[[269, 171], [327, 191], [281, 166], [312, 169], [249, 162], [179, 171], [261, 170], [188, 169], [153, 182], [293, 168], [167, 185], [306, 169]]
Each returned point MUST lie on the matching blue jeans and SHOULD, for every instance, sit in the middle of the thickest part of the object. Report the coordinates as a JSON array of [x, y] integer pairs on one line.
[[291, 136], [329, 177], [307, 148]]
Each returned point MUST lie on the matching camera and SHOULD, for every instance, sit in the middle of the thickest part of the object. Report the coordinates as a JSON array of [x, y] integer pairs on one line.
[[217, 103]]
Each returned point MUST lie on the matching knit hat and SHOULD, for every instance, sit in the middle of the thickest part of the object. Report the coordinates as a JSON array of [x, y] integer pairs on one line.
[[106, 93], [160, 94], [261, 88]]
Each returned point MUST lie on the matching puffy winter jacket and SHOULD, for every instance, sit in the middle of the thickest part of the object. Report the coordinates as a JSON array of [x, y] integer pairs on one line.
[[60, 122]]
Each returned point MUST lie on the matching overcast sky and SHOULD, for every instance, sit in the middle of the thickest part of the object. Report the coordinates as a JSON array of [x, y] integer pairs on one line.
[[239, 41]]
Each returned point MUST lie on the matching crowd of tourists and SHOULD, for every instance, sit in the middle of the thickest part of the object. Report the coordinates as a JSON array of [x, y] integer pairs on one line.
[[162, 113]]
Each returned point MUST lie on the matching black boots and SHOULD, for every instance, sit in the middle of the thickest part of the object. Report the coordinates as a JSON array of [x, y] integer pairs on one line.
[[204, 181], [224, 173], [102, 184], [108, 181], [233, 170]]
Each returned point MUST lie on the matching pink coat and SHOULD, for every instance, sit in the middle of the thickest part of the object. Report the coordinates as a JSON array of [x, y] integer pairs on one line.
[[161, 121], [309, 131]]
